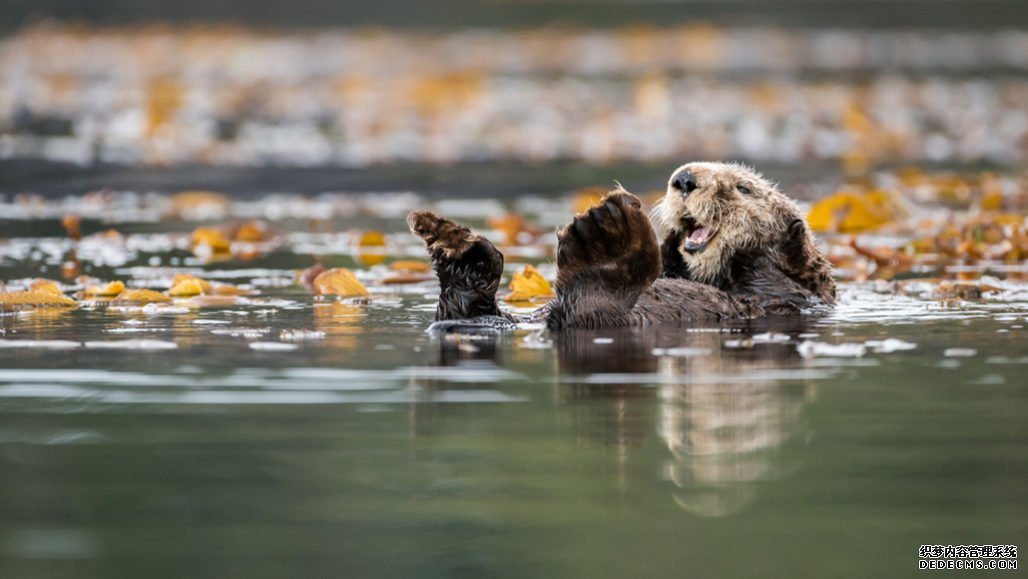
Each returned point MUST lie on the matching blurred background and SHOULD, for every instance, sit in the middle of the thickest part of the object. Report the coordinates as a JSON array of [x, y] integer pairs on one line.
[[213, 357], [506, 96], [953, 14]]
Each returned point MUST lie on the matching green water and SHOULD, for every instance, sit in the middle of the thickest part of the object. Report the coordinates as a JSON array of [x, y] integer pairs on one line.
[[285, 437], [385, 453]]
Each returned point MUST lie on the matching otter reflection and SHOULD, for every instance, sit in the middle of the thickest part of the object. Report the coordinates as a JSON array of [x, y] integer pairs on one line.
[[590, 364], [722, 413], [467, 351]]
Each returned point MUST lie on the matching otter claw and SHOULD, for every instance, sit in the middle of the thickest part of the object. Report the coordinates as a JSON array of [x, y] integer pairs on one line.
[[612, 208], [624, 197], [581, 228]]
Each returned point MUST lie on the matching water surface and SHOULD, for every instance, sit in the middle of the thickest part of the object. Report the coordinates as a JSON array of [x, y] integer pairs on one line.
[[282, 435]]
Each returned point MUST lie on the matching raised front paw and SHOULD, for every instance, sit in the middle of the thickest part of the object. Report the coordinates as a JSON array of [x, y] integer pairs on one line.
[[802, 261], [468, 266], [449, 243], [443, 237], [613, 241]]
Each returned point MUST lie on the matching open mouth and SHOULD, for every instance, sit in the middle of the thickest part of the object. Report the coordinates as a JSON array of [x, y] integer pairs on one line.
[[697, 235]]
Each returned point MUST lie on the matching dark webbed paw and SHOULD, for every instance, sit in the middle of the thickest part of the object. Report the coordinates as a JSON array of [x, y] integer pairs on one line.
[[671, 256], [612, 243], [468, 266], [795, 249], [803, 262]]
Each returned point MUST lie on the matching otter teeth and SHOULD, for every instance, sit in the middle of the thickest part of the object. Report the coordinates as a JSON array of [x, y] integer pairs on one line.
[[699, 237]]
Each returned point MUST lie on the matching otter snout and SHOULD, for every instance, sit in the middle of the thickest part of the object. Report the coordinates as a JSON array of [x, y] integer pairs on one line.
[[684, 182]]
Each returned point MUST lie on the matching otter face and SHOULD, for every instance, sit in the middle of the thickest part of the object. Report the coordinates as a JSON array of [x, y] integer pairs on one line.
[[720, 210]]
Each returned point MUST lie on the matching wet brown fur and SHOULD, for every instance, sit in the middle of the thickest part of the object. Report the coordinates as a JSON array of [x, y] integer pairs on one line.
[[613, 271], [468, 266]]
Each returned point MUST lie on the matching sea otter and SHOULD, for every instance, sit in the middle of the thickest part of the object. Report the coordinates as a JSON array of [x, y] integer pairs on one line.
[[731, 246]]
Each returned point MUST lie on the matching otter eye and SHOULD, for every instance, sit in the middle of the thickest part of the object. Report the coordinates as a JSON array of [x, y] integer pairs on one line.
[[744, 189]]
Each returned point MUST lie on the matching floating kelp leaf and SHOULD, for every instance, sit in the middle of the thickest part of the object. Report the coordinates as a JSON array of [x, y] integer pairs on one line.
[[111, 290], [438, 94], [212, 239], [164, 96], [205, 286], [228, 291], [888, 261], [35, 299], [188, 288], [998, 237], [141, 296], [851, 212], [72, 225], [110, 235], [952, 190], [46, 286], [529, 284], [992, 200], [199, 205], [252, 231], [372, 244], [515, 229], [410, 265], [340, 282]]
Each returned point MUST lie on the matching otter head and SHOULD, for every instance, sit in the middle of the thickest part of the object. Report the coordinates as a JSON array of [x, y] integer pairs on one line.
[[717, 214]]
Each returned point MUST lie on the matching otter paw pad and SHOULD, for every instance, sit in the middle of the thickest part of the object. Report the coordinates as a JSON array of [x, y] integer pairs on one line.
[[612, 229], [443, 237]]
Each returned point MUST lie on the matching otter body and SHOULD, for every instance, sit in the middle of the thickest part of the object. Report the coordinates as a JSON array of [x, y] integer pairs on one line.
[[728, 245]]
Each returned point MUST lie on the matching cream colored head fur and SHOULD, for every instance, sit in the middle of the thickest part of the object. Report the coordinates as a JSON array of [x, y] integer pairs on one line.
[[747, 210]]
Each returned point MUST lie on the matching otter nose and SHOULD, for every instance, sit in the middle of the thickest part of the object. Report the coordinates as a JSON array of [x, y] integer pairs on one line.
[[684, 182]]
